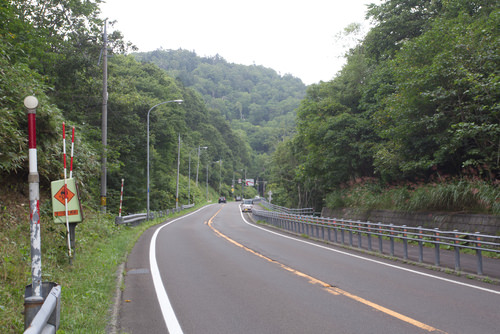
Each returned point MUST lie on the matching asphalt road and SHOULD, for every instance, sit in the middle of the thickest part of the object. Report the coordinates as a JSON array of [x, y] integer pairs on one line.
[[214, 272]]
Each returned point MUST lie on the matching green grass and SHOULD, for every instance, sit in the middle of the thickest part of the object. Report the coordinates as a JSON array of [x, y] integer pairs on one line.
[[454, 195], [88, 284]]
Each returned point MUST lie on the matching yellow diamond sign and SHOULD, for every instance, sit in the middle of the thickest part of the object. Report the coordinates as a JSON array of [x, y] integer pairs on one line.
[[60, 191]]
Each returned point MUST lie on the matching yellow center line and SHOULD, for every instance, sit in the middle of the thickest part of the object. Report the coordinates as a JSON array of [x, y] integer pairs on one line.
[[328, 287]]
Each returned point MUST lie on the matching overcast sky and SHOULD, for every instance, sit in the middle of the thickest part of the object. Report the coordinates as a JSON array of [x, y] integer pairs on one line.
[[295, 37]]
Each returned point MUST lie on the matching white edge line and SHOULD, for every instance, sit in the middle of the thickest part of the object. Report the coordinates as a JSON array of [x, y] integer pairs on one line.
[[372, 260], [167, 310]]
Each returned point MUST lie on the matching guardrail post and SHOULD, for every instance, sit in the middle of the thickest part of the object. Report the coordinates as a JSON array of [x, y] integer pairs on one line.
[[479, 255], [369, 234], [380, 244], [405, 243], [322, 232], [342, 225], [359, 234], [457, 250], [420, 245], [436, 247], [391, 237], [350, 234], [329, 231], [335, 235]]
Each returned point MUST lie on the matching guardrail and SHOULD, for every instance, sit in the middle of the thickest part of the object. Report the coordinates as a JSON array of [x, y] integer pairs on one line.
[[273, 207], [44, 319], [140, 217], [323, 228]]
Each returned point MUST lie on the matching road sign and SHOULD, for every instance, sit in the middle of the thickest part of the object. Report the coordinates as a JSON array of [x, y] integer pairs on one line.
[[61, 195], [75, 214]]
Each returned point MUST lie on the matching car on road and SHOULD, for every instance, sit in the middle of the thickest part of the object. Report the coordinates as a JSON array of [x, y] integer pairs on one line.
[[237, 198], [247, 205], [222, 199]]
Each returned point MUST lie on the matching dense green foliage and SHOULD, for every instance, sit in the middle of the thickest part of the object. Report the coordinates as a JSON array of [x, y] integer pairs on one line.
[[418, 98], [259, 103], [240, 92], [51, 49]]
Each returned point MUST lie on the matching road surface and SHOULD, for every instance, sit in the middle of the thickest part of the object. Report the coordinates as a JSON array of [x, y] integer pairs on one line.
[[213, 271]]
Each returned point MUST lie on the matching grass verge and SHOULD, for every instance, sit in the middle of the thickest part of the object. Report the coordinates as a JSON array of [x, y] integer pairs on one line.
[[88, 284]]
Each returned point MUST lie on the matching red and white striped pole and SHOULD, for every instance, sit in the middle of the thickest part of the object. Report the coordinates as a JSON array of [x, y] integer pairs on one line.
[[121, 200], [72, 148], [31, 103], [66, 191], [64, 150]]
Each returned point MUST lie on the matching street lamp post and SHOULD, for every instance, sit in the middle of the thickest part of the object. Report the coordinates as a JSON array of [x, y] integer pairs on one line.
[[147, 194], [189, 177], [178, 166], [220, 176], [213, 162], [198, 167]]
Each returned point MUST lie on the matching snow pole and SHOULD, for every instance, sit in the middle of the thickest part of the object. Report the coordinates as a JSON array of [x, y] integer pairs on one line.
[[66, 192], [121, 200], [72, 148]]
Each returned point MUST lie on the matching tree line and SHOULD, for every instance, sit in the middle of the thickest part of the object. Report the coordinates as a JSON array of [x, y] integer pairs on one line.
[[418, 100], [52, 49]]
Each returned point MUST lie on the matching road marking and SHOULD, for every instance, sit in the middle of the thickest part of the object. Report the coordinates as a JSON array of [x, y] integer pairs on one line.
[[167, 311], [329, 288], [372, 260]]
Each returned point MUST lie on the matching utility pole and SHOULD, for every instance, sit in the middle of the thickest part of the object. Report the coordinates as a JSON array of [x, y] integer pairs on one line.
[[178, 166], [104, 127]]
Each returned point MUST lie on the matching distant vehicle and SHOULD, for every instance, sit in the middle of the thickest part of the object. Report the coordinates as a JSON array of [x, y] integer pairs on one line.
[[222, 199], [247, 205], [237, 198]]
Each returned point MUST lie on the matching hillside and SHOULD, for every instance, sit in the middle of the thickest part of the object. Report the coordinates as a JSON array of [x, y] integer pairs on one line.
[[254, 99]]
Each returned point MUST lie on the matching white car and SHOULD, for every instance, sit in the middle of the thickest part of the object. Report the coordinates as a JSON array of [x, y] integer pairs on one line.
[[247, 205]]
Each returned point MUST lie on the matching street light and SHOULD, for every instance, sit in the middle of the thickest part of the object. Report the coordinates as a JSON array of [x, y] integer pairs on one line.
[[220, 176], [189, 177], [213, 162], [171, 101], [198, 167]]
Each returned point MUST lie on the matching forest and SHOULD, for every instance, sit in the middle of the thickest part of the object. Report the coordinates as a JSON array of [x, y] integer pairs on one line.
[[415, 104], [414, 113], [54, 53]]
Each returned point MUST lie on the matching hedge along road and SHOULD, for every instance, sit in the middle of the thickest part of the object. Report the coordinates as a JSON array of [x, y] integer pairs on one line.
[[214, 272]]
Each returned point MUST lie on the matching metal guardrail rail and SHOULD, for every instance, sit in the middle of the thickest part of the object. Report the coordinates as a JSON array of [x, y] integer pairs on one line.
[[323, 228], [140, 217], [47, 319], [273, 207]]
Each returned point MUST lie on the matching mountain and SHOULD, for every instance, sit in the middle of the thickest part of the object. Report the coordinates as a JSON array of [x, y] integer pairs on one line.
[[255, 99]]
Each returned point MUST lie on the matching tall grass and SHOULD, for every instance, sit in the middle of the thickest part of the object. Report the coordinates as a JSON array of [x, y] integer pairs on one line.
[[459, 195], [88, 284]]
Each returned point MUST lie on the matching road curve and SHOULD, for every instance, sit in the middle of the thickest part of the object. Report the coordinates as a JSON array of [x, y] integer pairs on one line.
[[214, 272]]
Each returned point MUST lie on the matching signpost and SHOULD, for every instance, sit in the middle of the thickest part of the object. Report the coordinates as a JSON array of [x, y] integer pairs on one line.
[[59, 198], [70, 214]]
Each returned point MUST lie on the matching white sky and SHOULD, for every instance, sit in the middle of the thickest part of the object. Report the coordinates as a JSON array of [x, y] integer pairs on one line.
[[289, 36]]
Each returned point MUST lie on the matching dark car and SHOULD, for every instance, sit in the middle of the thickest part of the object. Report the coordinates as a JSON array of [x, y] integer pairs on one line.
[[222, 199]]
